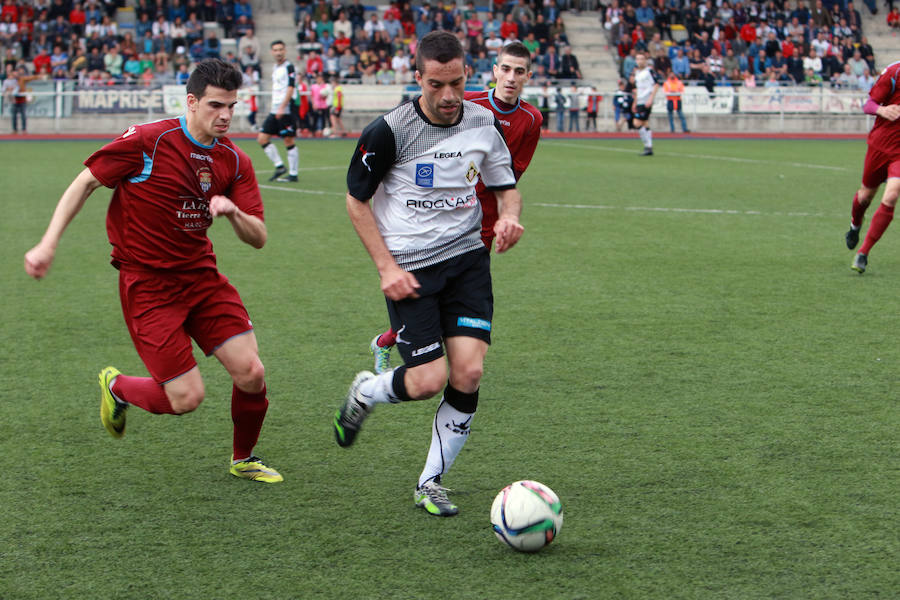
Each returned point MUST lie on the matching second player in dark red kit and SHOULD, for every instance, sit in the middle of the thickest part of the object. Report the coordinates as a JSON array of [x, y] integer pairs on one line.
[[882, 164]]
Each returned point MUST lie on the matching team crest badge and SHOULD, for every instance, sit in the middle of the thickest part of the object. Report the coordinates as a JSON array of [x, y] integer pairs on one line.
[[204, 175], [472, 173]]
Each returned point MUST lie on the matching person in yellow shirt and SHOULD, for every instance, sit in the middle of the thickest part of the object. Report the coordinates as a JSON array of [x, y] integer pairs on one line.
[[337, 107], [673, 88]]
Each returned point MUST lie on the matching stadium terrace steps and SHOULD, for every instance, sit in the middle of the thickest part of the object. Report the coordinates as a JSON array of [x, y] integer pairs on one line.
[[590, 46]]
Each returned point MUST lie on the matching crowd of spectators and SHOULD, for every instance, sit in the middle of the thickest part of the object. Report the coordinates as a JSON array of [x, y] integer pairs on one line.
[[67, 39], [343, 40], [770, 43]]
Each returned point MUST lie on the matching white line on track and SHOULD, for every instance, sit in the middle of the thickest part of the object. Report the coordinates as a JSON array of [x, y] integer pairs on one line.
[[282, 188], [709, 211], [705, 157]]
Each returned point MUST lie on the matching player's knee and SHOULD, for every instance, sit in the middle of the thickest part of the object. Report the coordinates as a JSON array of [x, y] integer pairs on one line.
[[185, 401], [251, 376], [426, 381], [467, 376]]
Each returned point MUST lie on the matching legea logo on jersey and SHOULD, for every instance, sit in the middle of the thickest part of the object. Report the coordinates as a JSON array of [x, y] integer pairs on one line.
[[425, 175]]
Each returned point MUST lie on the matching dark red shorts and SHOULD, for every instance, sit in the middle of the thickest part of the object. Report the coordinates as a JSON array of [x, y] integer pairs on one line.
[[489, 215], [163, 311], [878, 167]]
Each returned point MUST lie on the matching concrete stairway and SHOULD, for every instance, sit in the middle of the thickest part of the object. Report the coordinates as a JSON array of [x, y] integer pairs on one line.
[[885, 43], [590, 45]]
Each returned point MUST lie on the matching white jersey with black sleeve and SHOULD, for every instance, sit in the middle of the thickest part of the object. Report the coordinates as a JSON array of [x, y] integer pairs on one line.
[[284, 80], [421, 179]]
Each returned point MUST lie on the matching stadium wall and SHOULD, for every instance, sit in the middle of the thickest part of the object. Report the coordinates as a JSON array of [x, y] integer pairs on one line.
[[55, 108]]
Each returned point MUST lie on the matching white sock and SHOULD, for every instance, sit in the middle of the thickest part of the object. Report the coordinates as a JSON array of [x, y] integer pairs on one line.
[[649, 142], [272, 152], [854, 227], [448, 435], [643, 136], [378, 390], [293, 156]]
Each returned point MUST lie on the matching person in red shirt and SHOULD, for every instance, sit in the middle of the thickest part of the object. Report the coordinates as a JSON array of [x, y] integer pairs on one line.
[[77, 19], [521, 123], [42, 62], [171, 179], [882, 164]]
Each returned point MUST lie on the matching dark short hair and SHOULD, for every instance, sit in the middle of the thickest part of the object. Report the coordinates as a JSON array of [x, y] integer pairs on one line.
[[519, 50], [275, 43], [441, 46], [214, 72]]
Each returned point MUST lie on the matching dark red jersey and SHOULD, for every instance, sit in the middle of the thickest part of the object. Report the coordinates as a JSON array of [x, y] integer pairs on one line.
[[521, 124], [885, 135], [163, 180]]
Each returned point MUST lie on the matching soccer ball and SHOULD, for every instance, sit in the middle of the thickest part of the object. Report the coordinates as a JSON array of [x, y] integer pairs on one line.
[[526, 515]]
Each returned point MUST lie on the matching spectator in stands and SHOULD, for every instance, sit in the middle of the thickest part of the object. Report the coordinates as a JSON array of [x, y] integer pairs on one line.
[[568, 65], [314, 65], [795, 67], [41, 62], [681, 65], [112, 62], [373, 25], [59, 63], [243, 8], [696, 63], [196, 51], [78, 64], [212, 48], [392, 26], [866, 81], [356, 14], [813, 79], [494, 43], [707, 80], [812, 61], [748, 79], [821, 17], [323, 24], [509, 27], [846, 80], [241, 26], [893, 18], [401, 66]]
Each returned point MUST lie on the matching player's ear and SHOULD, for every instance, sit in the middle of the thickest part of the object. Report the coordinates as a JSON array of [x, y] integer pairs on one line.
[[192, 102]]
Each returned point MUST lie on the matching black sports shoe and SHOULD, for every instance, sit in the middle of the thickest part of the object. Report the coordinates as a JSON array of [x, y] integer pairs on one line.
[[860, 262], [279, 171], [852, 238], [349, 418], [647, 152], [289, 178]]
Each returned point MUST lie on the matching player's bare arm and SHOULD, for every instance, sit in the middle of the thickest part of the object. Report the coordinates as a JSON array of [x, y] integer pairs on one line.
[[39, 258], [249, 229], [396, 283], [507, 228], [891, 112]]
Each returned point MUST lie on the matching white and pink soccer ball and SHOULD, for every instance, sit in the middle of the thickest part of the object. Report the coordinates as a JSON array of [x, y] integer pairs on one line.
[[526, 515]]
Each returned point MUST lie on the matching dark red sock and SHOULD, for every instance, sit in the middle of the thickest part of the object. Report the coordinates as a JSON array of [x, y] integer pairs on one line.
[[143, 392], [880, 221], [248, 411], [387, 339], [857, 211]]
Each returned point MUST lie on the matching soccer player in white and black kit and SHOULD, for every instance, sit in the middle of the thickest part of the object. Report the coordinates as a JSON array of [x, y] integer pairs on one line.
[[646, 83], [281, 121], [412, 199]]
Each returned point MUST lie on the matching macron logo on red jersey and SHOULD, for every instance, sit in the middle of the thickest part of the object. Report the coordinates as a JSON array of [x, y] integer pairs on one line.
[[131, 130]]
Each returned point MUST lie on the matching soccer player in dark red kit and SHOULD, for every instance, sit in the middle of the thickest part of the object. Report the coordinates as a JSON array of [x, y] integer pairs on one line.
[[171, 178], [882, 165], [521, 124]]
